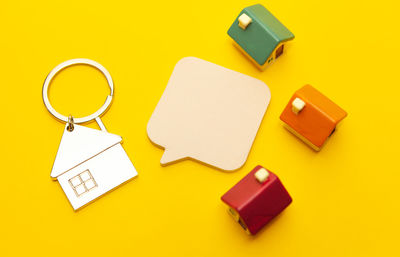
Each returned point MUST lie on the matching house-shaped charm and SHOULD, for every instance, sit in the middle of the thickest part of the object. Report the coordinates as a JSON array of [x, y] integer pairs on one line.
[[259, 35], [89, 163], [256, 199], [312, 116]]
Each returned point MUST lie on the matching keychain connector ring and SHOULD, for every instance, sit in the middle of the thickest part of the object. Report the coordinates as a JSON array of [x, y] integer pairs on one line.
[[70, 126], [69, 63]]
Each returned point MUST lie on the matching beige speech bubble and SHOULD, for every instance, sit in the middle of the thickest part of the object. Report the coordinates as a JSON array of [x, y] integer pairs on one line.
[[208, 113]]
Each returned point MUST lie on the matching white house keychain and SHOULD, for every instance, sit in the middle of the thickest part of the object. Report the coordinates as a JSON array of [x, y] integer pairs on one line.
[[89, 162]]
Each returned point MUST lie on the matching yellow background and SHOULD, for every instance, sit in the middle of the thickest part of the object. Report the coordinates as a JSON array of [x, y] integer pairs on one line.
[[346, 198]]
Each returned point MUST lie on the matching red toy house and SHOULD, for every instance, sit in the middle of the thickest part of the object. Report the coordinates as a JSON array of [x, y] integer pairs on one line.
[[256, 199]]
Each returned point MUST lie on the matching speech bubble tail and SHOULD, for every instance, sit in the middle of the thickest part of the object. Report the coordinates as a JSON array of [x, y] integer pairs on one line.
[[170, 156]]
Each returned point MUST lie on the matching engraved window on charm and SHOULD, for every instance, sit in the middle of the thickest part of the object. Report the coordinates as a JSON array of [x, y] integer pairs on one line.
[[82, 183]]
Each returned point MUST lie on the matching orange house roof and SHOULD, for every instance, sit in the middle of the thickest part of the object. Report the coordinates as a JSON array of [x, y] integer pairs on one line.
[[317, 120]]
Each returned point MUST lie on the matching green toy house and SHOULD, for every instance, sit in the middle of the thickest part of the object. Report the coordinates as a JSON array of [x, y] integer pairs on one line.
[[259, 35]]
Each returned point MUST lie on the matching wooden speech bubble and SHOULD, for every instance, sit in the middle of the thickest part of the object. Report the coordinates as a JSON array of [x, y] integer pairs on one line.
[[208, 113]]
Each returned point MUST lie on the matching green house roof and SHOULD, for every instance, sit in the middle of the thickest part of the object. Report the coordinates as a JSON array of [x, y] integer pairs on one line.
[[262, 35]]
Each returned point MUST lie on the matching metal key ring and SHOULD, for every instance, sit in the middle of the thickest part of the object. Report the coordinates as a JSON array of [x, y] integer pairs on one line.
[[64, 65]]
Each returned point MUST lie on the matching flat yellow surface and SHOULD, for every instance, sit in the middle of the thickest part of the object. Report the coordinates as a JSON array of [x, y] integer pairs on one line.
[[346, 197]]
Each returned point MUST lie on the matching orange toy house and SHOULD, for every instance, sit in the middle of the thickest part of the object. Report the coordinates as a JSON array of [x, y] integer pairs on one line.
[[312, 116]]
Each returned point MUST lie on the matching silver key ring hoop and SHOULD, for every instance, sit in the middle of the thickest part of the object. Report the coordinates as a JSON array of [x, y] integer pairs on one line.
[[69, 63]]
